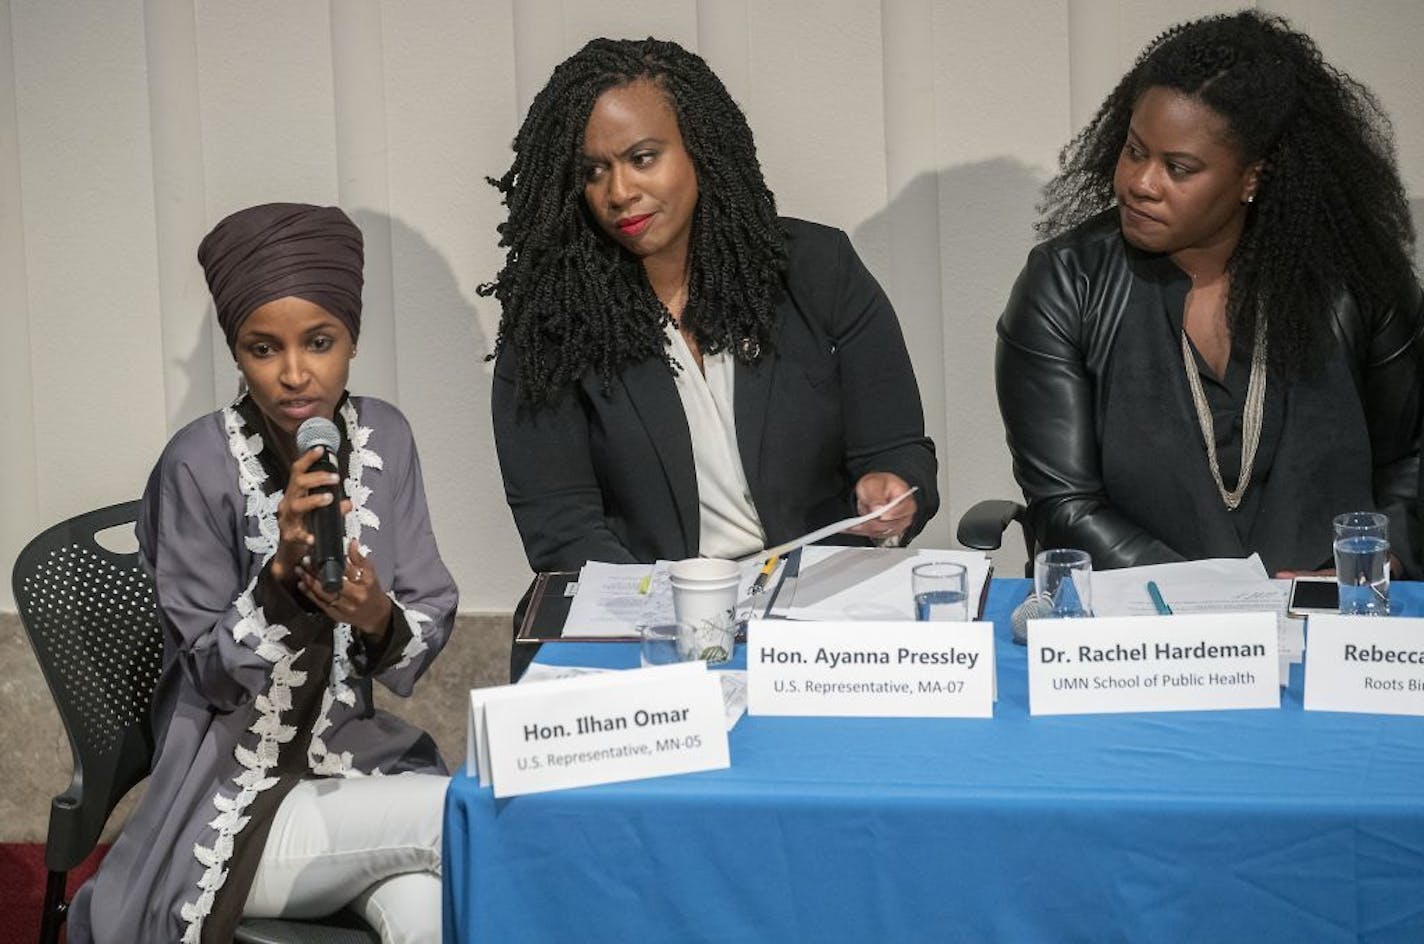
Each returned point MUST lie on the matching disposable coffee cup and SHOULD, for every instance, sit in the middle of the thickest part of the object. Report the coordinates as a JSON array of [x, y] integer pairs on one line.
[[704, 600]]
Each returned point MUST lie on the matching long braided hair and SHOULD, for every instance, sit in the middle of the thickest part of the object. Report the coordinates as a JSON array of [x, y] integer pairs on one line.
[[572, 299], [1330, 211]]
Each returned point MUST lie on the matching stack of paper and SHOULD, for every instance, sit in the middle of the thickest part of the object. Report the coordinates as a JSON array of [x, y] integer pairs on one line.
[[1221, 585], [615, 600], [834, 583], [867, 583]]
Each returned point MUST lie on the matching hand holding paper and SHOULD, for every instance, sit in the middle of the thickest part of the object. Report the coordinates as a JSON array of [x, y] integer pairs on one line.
[[881, 493], [845, 524]]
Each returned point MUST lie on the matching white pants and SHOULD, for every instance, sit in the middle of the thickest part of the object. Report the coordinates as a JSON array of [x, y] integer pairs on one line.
[[370, 842]]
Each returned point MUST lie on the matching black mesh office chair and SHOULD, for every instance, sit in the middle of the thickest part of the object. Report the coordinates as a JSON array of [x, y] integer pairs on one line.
[[982, 527], [93, 623]]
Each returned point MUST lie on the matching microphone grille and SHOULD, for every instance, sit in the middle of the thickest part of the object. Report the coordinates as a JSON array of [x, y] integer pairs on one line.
[[318, 431], [1034, 606]]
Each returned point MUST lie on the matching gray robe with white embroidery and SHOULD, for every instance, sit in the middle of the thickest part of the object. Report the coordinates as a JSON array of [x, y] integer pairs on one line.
[[257, 691]]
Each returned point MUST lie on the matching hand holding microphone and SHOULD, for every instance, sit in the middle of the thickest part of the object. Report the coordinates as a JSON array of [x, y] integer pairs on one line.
[[334, 574], [308, 489], [324, 521]]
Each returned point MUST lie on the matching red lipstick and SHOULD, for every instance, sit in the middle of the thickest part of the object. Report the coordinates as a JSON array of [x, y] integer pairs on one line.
[[634, 225]]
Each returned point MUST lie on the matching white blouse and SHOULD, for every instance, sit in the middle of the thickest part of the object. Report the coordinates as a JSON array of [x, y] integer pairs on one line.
[[730, 527]]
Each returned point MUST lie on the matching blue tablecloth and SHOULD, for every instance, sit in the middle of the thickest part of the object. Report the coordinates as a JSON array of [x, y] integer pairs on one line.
[[1228, 826]]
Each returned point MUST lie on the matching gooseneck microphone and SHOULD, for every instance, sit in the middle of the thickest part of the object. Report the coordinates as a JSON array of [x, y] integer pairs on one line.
[[328, 554]]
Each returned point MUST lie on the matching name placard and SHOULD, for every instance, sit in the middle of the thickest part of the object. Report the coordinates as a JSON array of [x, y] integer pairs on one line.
[[604, 729], [1195, 662], [1364, 664], [870, 669]]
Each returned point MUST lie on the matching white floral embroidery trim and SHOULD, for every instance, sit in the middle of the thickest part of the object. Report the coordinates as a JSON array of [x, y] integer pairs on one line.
[[320, 758], [417, 622], [269, 706], [271, 733]]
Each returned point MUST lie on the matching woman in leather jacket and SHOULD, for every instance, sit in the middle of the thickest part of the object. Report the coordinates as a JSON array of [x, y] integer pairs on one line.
[[1218, 349]]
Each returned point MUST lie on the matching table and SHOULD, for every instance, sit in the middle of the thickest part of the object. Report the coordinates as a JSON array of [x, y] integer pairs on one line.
[[1228, 826]]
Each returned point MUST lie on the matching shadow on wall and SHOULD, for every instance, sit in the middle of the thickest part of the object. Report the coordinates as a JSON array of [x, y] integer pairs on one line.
[[949, 296], [444, 390], [1416, 210], [427, 294], [201, 390]]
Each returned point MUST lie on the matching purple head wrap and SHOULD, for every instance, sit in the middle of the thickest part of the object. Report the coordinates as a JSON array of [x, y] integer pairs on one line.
[[278, 249]]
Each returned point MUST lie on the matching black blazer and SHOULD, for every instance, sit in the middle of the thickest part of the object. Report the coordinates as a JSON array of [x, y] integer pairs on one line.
[[610, 477], [1105, 440]]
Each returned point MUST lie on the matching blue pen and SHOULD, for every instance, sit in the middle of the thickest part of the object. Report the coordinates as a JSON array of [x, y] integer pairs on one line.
[[1162, 608]]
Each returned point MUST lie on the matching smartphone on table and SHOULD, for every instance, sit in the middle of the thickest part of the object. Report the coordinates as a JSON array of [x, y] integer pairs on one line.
[[1313, 595]]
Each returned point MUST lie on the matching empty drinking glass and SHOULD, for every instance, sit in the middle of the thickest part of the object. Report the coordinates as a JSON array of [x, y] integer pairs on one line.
[[1062, 579]]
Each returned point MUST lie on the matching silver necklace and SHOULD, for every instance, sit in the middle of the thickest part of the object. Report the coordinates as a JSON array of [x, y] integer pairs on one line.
[[1255, 413]]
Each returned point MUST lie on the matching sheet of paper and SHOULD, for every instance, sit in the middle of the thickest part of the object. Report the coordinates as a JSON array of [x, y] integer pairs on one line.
[[618, 599], [734, 684], [609, 601], [845, 524], [1218, 585], [869, 583]]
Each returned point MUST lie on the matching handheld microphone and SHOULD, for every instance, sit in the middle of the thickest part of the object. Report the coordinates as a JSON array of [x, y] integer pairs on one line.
[[1034, 606], [328, 553]]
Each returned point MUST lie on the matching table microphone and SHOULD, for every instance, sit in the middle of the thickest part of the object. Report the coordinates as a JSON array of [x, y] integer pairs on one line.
[[328, 553], [1034, 606]]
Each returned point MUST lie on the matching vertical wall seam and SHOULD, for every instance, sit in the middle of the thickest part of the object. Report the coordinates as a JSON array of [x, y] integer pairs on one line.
[[913, 202], [363, 179], [179, 194], [19, 505]]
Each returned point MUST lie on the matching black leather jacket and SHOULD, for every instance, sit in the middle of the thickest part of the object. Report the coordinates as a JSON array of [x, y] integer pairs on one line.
[[1106, 444]]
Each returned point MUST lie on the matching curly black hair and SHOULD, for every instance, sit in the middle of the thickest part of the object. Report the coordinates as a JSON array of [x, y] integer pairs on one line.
[[573, 300], [1330, 211]]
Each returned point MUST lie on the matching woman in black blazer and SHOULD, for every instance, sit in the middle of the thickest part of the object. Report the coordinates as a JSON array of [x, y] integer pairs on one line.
[[646, 271]]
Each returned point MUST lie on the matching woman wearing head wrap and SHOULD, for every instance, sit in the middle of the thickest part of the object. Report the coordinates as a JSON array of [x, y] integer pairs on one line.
[[1218, 350], [680, 371], [262, 800]]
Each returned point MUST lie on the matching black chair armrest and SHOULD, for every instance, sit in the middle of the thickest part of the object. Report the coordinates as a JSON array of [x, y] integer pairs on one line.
[[982, 526]]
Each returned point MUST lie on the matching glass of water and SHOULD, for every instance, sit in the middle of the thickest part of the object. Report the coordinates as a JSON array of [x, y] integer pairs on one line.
[[665, 643], [1362, 563], [1063, 580], [941, 592]]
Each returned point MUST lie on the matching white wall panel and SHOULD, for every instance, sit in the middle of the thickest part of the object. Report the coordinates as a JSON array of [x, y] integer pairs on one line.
[[269, 118], [363, 178], [86, 175], [1379, 44], [20, 516], [817, 107], [911, 216], [922, 127], [723, 39], [450, 100], [1001, 114], [179, 208], [1105, 37], [546, 32]]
